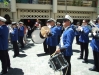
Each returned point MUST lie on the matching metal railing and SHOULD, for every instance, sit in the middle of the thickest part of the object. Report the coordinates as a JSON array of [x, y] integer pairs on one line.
[[84, 3], [34, 1]]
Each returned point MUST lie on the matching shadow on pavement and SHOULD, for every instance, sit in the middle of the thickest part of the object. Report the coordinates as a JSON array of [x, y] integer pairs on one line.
[[91, 61], [77, 51], [22, 55], [15, 71], [42, 54], [31, 44]]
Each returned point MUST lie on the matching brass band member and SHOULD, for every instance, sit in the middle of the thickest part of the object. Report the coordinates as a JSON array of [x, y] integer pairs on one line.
[[52, 40], [21, 34], [95, 47], [66, 42], [4, 56], [14, 39], [84, 40]]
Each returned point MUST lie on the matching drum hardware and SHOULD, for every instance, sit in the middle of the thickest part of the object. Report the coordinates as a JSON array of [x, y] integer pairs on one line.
[[58, 62]]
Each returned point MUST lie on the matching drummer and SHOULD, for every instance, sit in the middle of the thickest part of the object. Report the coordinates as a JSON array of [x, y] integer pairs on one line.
[[52, 40], [66, 42]]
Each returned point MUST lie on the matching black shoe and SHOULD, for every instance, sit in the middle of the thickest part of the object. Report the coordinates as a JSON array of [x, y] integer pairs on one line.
[[50, 66], [14, 56], [9, 67], [46, 53], [92, 69], [22, 47], [3, 73], [85, 61], [80, 58]]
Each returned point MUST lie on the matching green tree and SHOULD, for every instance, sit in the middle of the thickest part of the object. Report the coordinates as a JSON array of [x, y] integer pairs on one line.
[[5, 2]]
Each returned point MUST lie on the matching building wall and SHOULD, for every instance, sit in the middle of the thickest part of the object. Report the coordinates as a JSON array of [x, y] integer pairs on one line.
[[34, 11]]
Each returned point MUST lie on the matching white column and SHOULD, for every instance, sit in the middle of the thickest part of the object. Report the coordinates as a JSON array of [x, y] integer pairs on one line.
[[15, 19], [54, 6], [98, 7], [13, 5], [52, 15], [13, 10], [93, 16]]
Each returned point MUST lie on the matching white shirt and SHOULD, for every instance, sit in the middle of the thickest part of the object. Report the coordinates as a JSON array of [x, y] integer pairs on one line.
[[61, 40]]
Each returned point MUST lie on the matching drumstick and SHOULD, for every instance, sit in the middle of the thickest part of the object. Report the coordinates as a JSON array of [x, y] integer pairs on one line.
[[53, 54]]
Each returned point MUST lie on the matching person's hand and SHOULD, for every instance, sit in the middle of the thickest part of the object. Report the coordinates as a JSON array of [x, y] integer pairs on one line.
[[57, 50], [94, 33], [81, 29]]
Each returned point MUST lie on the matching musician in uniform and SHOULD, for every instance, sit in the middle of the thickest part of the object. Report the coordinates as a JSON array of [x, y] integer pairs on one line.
[[84, 40], [59, 30], [14, 38], [45, 46], [4, 56], [95, 47], [52, 40], [66, 42], [21, 34], [77, 34]]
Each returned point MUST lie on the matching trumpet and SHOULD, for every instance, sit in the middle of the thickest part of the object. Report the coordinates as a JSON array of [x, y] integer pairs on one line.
[[94, 27]]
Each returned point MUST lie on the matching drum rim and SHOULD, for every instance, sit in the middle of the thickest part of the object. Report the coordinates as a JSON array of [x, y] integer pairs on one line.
[[53, 65]]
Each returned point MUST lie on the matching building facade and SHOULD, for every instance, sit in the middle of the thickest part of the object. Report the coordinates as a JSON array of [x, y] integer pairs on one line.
[[45, 9]]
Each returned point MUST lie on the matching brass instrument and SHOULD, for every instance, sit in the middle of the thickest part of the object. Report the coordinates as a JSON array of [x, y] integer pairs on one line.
[[95, 30]]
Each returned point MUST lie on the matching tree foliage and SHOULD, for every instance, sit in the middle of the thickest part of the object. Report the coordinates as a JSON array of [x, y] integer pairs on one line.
[[5, 2]]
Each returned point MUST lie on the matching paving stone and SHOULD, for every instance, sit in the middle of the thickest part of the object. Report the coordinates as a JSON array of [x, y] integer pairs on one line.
[[32, 61]]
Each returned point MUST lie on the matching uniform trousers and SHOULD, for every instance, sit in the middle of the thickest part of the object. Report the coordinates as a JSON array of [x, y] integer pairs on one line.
[[59, 38], [77, 39], [5, 60], [84, 47], [68, 58], [45, 46], [21, 41], [52, 49], [96, 59], [15, 48]]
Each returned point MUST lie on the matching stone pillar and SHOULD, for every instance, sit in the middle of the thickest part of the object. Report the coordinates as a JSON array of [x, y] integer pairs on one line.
[[98, 7], [54, 9], [54, 6], [52, 15], [13, 5], [13, 10], [15, 19]]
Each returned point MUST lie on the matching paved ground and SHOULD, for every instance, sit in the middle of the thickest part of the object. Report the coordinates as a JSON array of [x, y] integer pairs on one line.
[[32, 61]]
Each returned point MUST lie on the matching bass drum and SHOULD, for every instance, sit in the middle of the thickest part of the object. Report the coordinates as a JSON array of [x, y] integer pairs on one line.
[[37, 37]]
